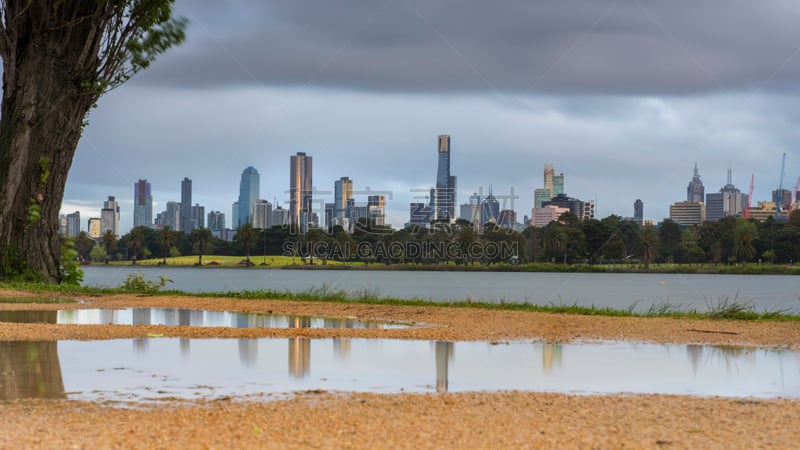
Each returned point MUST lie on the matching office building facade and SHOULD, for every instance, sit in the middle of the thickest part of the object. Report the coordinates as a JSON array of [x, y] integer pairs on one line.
[[109, 216], [262, 214], [142, 204], [638, 211], [342, 196], [687, 213], [300, 190], [185, 219], [444, 198], [249, 191]]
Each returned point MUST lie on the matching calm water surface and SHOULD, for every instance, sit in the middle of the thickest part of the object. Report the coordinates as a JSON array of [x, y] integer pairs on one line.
[[150, 369], [767, 292]]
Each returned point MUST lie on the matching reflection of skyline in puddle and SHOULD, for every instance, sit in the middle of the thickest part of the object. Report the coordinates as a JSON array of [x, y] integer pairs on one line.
[[182, 368], [184, 317]]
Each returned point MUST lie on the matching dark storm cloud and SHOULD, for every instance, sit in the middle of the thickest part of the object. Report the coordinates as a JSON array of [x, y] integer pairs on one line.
[[567, 46]]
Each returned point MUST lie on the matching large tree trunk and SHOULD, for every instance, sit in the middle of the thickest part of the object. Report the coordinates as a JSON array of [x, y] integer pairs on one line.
[[45, 100]]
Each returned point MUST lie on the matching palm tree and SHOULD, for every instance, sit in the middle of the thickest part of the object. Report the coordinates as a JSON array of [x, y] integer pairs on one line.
[[109, 242], [648, 245], [246, 237], [165, 241], [135, 242], [555, 239], [744, 233], [201, 239]]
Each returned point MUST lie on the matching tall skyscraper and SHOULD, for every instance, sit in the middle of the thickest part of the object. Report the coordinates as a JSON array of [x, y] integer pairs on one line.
[[695, 192], [142, 204], [444, 201], [249, 191], [342, 194], [638, 211], [185, 220], [300, 182], [109, 216]]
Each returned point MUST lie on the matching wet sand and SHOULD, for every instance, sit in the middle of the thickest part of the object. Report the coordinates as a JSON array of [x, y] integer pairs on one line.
[[336, 420]]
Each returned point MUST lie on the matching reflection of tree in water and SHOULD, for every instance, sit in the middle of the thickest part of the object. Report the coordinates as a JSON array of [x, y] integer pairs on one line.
[[728, 355], [29, 316], [30, 370]]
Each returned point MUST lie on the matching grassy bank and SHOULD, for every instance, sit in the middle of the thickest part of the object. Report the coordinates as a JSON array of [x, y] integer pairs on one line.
[[297, 263], [720, 309]]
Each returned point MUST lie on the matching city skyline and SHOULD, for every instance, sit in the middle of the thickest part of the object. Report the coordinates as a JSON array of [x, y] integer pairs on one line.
[[517, 87]]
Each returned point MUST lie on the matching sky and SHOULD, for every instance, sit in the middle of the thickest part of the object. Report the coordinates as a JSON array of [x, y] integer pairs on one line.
[[622, 96]]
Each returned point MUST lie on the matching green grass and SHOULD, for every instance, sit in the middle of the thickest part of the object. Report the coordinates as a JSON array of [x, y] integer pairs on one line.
[[723, 309]]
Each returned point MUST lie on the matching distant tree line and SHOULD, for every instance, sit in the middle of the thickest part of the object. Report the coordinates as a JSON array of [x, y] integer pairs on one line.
[[611, 240]]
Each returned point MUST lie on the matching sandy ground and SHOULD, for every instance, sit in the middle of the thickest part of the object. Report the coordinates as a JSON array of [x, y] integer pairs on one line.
[[336, 420]]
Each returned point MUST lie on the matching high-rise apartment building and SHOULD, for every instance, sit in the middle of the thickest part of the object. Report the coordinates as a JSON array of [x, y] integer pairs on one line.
[[94, 226], [300, 182], [695, 192], [198, 216], [638, 211], [377, 209], [109, 216], [70, 224], [262, 214], [249, 191], [444, 200], [171, 217], [342, 195], [216, 221], [235, 215], [185, 218], [142, 204], [280, 216], [553, 186]]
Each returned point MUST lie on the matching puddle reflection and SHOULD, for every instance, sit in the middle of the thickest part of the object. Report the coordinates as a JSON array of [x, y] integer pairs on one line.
[[143, 369], [183, 317]]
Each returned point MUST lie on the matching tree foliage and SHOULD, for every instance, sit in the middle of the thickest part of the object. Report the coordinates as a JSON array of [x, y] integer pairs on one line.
[[59, 58]]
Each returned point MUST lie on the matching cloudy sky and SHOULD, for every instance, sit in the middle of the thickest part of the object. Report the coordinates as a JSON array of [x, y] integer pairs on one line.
[[622, 96]]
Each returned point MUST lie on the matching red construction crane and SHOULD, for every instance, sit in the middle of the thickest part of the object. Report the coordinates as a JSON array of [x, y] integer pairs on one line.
[[746, 213]]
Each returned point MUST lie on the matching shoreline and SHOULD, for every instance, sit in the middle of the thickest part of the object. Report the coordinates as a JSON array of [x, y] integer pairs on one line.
[[329, 419]]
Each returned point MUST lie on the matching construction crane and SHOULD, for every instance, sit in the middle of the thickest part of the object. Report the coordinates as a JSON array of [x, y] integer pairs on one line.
[[794, 194], [746, 213], [779, 194]]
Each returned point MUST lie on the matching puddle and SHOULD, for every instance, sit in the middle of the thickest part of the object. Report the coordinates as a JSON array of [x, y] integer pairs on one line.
[[152, 369], [183, 317]]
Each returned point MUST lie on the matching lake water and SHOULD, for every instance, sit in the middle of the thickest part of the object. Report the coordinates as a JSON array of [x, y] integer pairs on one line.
[[767, 292], [151, 369]]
